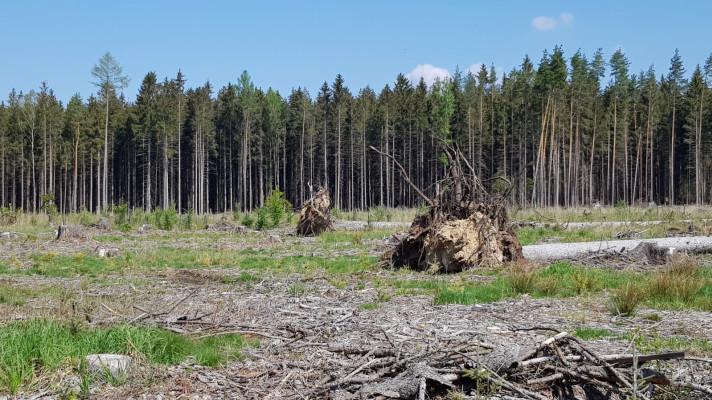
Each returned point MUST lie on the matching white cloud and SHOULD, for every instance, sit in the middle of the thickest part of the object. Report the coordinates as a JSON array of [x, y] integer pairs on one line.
[[428, 72], [546, 23], [566, 18]]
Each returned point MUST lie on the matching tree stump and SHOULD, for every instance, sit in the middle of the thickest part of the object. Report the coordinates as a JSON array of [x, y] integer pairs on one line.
[[315, 216], [465, 227], [70, 232]]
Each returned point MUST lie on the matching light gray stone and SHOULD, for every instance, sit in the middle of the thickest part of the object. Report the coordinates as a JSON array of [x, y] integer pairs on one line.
[[117, 365]]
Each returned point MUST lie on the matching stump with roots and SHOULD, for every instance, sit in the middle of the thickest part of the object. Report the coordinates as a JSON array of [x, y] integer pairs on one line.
[[315, 216], [465, 227]]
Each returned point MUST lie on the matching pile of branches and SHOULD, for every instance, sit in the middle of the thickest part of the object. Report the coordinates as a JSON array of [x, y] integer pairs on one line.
[[315, 216], [464, 227], [561, 367]]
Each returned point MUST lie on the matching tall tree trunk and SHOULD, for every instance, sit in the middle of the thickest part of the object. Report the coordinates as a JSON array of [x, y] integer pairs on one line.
[[671, 189], [75, 178], [165, 169], [105, 187]]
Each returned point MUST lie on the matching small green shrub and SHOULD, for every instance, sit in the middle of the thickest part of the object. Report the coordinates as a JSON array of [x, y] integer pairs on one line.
[[247, 220], [121, 216], [337, 213], [276, 206], [49, 206], [297, 289], [621, 205], [187, 221], [262, 221], [8, 216], [86, 218], [380, 213], [585, 283], [236, 214], [165, 219]]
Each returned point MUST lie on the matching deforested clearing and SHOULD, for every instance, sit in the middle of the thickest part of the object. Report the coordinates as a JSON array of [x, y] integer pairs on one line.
[[355, 201], [237, 312]]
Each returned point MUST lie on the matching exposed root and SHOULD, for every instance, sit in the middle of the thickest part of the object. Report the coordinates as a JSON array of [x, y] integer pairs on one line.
[[464, 228], [315, 216]]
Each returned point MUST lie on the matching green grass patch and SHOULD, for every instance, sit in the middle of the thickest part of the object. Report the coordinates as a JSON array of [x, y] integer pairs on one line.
[[500, 289], [110, 238], [369, 306], [657, 343], [19, 295], [561, 279], [297, 289], [37, 347], [354, 237], [587, 333], [49, 264], [15, 296], [528, 235], [650, 343]]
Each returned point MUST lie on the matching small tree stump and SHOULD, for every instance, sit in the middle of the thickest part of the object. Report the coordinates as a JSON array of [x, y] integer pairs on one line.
[[70, 232], [315, 216]]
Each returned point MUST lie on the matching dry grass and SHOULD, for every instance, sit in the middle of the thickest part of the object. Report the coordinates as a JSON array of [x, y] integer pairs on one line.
[[522, 277], [625, 299], [680, 281]]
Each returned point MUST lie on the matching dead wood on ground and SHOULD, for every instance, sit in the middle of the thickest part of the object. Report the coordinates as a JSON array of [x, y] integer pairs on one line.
[[465, 226], [315, 216]]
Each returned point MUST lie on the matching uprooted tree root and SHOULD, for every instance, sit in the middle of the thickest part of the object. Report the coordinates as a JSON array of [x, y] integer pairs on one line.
[[479, 235], [315, 216], [464, 227]]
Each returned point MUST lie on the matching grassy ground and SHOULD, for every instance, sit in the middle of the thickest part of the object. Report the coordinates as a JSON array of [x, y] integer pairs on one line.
[[43, 346], [684, 285], [37, 273], [620, 213]]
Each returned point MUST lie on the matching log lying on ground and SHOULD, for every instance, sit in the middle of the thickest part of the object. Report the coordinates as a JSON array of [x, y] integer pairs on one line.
[[650, 251], [315, 216], [464, 227]]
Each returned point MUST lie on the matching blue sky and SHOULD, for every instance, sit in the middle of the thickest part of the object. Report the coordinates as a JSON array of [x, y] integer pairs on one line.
[[285, 44]]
